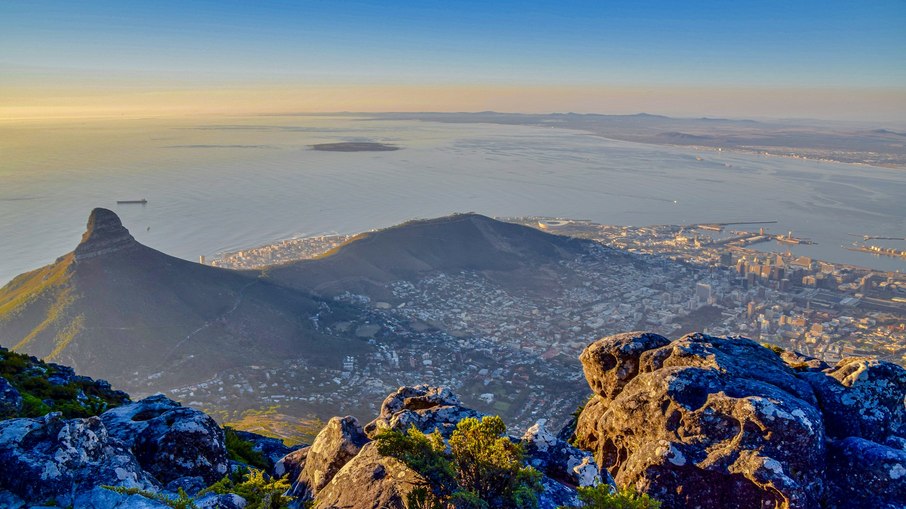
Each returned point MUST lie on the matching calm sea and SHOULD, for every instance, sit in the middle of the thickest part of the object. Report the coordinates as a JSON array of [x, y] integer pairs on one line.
[[222, 183]]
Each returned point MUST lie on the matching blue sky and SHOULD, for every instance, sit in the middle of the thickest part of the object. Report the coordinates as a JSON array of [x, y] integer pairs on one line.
[[844, 45]]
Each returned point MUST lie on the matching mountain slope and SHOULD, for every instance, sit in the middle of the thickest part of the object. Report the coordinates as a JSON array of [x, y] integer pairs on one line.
[[461, 242], [114, 307]]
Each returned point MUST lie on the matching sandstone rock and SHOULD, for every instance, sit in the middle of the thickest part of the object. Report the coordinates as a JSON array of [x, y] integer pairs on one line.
[[339, 441], [427, 408], [703, 422], [369, 481], [865, 474], [609, 364], [862, 398], [170, 441], [291, 464], [559, 460], [51, 458], [10, 400]]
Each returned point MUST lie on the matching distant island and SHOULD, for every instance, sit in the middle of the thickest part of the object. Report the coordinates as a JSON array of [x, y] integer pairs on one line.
[[355, 146]]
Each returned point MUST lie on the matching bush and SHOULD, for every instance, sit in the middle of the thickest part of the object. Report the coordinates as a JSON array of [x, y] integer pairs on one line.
[[259, 490], [182, 501], [481, 469], [602, 497], [242, 450]]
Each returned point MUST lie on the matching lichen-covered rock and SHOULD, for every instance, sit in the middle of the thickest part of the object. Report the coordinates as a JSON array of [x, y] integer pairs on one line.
[[559, 460], [703, 422], [369, 481], [427, 408], [340, 440], [556, 494], [51, 458], [100, 498], [170, 441], [190, 484], [862, 398], [865, 474], [10, 400]]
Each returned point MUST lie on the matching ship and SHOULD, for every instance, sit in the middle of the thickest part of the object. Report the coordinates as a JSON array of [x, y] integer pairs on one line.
[[125, 202]]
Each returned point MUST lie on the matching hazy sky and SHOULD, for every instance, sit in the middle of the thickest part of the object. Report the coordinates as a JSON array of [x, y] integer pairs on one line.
[[825, 59]]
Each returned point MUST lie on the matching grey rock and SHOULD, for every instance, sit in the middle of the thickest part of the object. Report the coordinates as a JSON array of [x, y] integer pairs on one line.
[[100, 498], [555, 494], [425, 407], [190, 484], [10, 400], [170, 441], [340, 440], [561, 461], [52, 458], [224, 501]]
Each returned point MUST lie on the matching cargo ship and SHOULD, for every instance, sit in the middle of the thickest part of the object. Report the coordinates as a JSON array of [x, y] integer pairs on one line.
[[125, 202]]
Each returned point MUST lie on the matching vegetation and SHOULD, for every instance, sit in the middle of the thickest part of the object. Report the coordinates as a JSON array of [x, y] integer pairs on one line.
[[602, 497], [242, 450], [259, 490], [48, 388], [479, 468], [182, 501]]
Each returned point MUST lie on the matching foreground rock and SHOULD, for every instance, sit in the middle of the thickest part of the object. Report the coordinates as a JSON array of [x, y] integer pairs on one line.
[[334, 446], [370, 481], [170, 441], [427, 408], [724, 422], [52, 459]]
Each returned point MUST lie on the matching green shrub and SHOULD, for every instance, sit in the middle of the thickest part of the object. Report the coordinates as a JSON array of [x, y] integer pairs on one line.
[[602, 497], [259, 490], [481, 469], [242, 450]]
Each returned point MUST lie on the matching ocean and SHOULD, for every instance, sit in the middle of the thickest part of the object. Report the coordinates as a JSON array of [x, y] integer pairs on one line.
[[221, 183]]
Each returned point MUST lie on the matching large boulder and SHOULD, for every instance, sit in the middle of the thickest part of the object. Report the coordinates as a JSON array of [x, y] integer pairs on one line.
[[369, 481], [51, 458], [291, 464], [170, 441], [703, 422], [425, 407], [340, 440], [862, 398], [10, 400]]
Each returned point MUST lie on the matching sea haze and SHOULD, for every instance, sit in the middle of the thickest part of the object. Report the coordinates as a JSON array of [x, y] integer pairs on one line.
[[226, 183]]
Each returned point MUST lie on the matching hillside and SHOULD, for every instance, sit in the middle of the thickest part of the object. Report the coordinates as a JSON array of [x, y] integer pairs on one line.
[[461, 242], [117, 309]]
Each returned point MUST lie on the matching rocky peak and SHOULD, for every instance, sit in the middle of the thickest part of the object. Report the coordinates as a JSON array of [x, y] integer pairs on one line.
[[104, 234]]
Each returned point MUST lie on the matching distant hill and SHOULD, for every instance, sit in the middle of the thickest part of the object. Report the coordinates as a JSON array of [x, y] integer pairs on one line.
[[470, 242], [117, 309]]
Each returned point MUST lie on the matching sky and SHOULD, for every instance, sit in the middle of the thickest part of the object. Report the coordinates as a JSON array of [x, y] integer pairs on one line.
[[790, 59]]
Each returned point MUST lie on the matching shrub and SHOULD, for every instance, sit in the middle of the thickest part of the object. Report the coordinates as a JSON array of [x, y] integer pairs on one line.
[[602, 497], [259, 490], [482, 468], [242, 450], [182, 501]]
